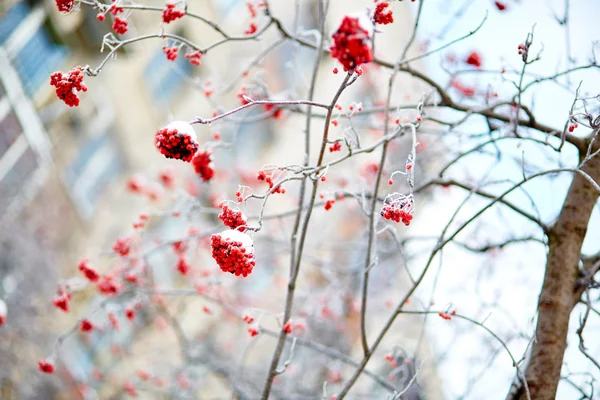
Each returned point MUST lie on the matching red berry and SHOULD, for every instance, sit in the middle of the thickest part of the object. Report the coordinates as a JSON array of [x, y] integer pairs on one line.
[[122, 246], [86, 326], [109, 285], [251, 29], [182, 266], [90, 273], [130, 313], [46, 366], [474, 58]]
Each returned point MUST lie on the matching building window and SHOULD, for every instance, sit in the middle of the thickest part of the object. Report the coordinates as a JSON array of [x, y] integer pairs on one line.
[[11, 20], [37, 60], [29, 46], [165, 78], [12, 183], [98, 162]]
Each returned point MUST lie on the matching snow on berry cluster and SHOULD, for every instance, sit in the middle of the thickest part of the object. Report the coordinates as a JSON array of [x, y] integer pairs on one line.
[[234, 252], [398, 208], [351, 45], [381, 16], [203, 165], [67, 84], [233, 219], [177, 140], [170, 13]]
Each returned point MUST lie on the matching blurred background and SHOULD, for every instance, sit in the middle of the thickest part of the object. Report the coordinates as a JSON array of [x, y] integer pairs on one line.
[[65, 194]]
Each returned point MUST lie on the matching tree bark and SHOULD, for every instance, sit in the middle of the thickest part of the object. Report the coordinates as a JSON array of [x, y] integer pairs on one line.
[[557, 300]]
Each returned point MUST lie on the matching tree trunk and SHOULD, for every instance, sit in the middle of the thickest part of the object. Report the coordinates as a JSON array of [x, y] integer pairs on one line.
[[557, 298]]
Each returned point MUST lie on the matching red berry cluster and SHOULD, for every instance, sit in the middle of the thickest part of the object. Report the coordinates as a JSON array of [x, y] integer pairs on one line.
[[242, 95], [351, 44], [194, 57], [251, 29], [390, 358], [396, 213], [182, 266], [130, 389], [277, 113], [232, 250], [86, 326], [253, 331], [170, 14], [89, 272], [67, 84], [328, 204], [114, 322], [447, 316], [115, 10], [178, 141], [130, 313], [46, 366], [180, 247], [136, 184], [524, 50], [171, 52], [248, 318], [262, 176], [251, 9], [122, 246], [109, 285], [465, 90], [474, 59], [120, 25], [382, 17], [572, 127], [65, 5], [287, 328], [500, 6], [337, 146], [231, 218], [203, 165], [61, 301], [167, 177]]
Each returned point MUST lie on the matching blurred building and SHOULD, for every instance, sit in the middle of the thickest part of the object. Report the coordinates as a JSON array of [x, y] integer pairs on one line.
[[63, 170]]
